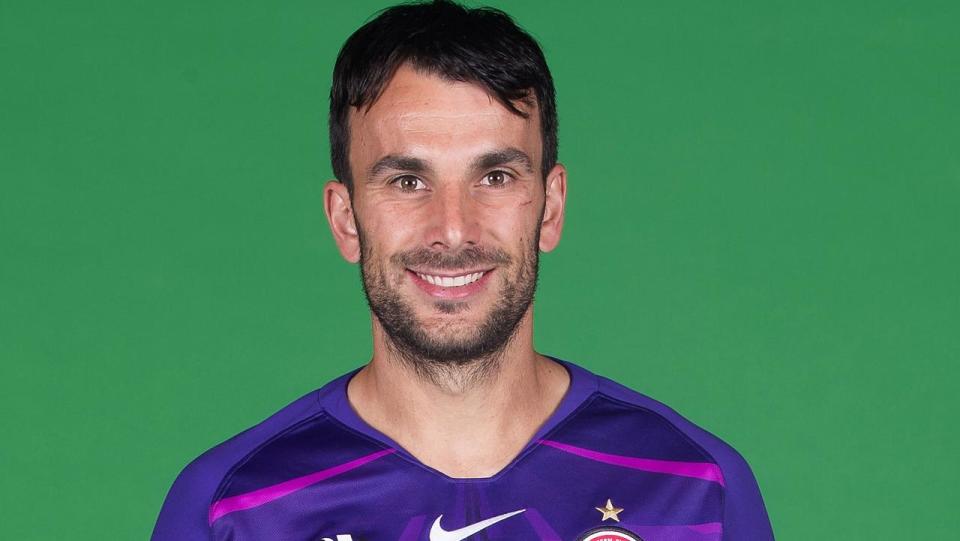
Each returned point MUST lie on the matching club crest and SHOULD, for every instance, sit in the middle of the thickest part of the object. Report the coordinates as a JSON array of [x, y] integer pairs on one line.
[[609, 534]]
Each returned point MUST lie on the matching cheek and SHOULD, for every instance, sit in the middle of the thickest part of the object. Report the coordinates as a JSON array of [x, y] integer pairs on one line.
[[517, 238], [384, 241], [519, 219], [388, 226]]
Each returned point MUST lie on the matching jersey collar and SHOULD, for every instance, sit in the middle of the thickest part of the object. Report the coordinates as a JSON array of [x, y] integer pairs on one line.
[[333, 399]]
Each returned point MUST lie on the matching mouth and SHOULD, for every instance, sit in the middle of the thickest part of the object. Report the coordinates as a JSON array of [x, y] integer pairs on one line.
[[451, 286], [451, 281]]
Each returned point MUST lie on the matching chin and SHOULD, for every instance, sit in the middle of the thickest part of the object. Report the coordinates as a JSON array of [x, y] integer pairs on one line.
[[451, 307], [443, 330]]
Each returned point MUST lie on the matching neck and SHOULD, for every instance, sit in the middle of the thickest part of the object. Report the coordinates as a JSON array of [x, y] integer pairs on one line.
[[464, 421]]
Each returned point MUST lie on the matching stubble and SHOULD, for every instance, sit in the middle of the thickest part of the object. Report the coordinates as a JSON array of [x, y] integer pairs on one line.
[[459, 357]]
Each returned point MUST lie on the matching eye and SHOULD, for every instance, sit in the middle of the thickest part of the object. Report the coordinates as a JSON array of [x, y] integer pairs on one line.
[[496, 178], [408, 183]]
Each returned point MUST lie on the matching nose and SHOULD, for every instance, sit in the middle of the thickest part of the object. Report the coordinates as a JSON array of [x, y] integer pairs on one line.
[[453, 219]]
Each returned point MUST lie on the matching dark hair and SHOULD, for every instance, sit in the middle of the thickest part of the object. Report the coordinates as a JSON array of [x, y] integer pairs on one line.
[[482, 46]]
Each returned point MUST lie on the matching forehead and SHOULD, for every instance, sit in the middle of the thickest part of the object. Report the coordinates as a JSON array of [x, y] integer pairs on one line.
[[425, 115]]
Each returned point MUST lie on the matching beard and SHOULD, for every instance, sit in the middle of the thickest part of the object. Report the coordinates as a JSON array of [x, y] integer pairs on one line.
[[450, 354]]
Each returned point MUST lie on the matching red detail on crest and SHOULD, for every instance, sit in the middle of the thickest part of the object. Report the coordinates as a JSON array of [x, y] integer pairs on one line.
[[610, 535]]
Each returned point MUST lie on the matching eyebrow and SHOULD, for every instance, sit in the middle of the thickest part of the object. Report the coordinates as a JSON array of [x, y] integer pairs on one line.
[[399, 163], [503, 156], [494, 158]]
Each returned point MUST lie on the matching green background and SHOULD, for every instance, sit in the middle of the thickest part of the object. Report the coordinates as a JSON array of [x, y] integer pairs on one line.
[[761, 232]]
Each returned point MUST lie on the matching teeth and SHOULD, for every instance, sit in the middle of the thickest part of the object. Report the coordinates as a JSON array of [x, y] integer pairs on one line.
[[451, 281]]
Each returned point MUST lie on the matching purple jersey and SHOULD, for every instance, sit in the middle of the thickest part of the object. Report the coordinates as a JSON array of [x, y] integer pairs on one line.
[[609, 465]]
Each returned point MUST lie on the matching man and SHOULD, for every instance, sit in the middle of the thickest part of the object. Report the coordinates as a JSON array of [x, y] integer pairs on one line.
[[443, 137]]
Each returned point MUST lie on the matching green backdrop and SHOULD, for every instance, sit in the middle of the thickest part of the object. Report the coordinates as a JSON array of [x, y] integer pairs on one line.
[[761, 232]]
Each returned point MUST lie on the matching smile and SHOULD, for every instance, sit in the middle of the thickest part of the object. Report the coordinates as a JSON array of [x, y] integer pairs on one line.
[[451, 281], [462, 286]]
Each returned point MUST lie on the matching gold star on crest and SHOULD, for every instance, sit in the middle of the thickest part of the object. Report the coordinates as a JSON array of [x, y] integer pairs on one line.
[[609, 511]]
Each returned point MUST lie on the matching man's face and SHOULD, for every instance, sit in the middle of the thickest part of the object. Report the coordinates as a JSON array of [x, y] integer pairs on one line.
[[448, 205]]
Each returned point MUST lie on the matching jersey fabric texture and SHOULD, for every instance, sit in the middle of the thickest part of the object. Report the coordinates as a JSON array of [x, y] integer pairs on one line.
[[609, 463]]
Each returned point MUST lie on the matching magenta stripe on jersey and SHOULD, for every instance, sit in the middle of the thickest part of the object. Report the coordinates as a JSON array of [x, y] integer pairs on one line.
[[261, 496], [708, 527], [701, 470]]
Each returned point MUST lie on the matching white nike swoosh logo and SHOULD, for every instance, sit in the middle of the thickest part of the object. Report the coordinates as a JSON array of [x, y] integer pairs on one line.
[[437, 533]]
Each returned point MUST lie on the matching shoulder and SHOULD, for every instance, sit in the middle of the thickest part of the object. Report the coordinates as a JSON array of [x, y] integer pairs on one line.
[[185, 512], [668, 421], [623, 426]]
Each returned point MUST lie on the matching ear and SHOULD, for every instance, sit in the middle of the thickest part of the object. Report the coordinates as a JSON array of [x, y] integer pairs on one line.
[[556, 196], [339, 209]]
